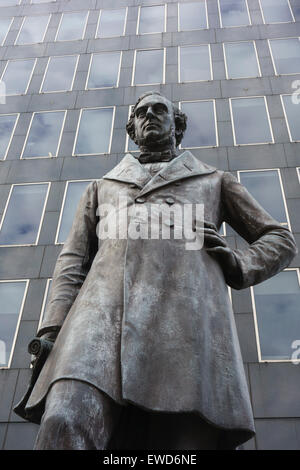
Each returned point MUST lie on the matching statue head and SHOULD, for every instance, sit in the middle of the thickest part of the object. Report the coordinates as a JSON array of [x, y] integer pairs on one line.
[[156, 123]]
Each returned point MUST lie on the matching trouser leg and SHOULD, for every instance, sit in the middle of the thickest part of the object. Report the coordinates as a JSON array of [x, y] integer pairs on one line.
[[77, 417]]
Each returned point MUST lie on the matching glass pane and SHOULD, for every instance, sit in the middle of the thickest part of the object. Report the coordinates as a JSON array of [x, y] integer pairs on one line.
[[152, 19], [17, 75], [277, 303], [43, 138], [48, 288], [60, 73], [4, 26], [233, 13], [104, 70], [192, 16], [149, 67], [241, 60], [286, 54], [9, 3], [94, 131], [194, 63], [251, 125], [74, 193], [72, 26], [7, 124], [131, 146], [33, 29], [276, 11], [11, 298], [265, 188], [292, 110], [112, 23], [201, 127], [23, 215]]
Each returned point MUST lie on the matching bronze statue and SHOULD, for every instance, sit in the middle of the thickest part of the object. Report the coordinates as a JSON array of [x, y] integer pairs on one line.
[[145, 351]]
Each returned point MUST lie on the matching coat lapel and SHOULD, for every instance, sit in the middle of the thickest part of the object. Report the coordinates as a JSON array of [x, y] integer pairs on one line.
[[129, 170]]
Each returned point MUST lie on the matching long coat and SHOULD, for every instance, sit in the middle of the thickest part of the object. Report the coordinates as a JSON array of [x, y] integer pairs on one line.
[[147, 321]]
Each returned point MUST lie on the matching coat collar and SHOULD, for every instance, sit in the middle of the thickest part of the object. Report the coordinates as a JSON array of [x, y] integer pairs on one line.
[[130, 170]]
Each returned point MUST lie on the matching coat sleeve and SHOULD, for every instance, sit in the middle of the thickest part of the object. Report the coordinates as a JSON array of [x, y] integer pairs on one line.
[[74, 262], [271, 246]]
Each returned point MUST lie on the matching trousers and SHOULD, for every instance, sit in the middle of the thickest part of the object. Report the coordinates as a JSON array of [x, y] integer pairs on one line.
[[78, 416]]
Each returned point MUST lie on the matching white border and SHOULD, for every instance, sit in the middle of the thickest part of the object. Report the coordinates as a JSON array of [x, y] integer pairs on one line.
[[210, 64], [256, 55], [286, 118], [19, 319], [42, 215], [21, 27], [178, 18], [118, 72], [272, 57], [215, 119], [30, 76], [235, 26], [257, 329], [277, 22], [164, 66], [4, 39], [232, 121], [46, 292], [46, 70], [149, 6], [116, 35], [87, 12], [12, 134], [111, 132]]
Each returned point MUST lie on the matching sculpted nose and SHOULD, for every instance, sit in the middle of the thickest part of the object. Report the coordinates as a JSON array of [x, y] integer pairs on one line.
[[150, 112]]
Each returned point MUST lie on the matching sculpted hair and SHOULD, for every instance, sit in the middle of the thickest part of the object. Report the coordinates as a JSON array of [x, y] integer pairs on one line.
[[179, 117]]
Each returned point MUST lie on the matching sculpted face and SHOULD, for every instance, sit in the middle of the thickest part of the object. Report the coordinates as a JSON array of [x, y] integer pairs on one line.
[[154, 119]]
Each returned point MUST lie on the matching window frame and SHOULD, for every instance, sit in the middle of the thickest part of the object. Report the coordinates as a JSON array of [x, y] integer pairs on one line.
[[284, 224], [21, 27], [225, 59], [12, 134], [59, 139], [46, 70], [42, 215], [84, 28], [285, 116], [260, 360], [215, 120], [233, 126], [134, 66], [130, 107], [298, 171], [63, 205], [139, 16], [178, 18], [98, 23], [210, 63], [237, 26], [89, 70], [277, 22], [46, 292], [31, 74], [8, 30], [19, 318], [78, 127], [272, 57]]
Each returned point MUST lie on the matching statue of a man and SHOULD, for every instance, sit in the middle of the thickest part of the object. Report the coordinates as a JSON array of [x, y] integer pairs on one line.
[[143, 330]]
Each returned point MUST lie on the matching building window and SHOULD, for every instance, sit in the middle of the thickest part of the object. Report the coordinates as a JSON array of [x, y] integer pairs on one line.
[[22, 218], [202, 128], [112, 23], [94, 131], [250, 121], [5, 24], [149, 67], [266, 187], [45, 301], [291, 109], [60, 74], [17, 75], [73, 193], [104, 71], [276, 11], [130, 145], [33, 29], [72, 26], [8, 124], [286, 55], [194, 63], [12, 297], [241, 60], [277, 317], [192, 16], [44, 134], [152, 19], [233, 13]]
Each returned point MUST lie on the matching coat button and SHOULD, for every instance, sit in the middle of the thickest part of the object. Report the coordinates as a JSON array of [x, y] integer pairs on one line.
[[170, 201], [140, 200]]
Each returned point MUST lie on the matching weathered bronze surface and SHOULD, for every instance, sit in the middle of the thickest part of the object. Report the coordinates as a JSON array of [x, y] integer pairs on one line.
[[146, 321]]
